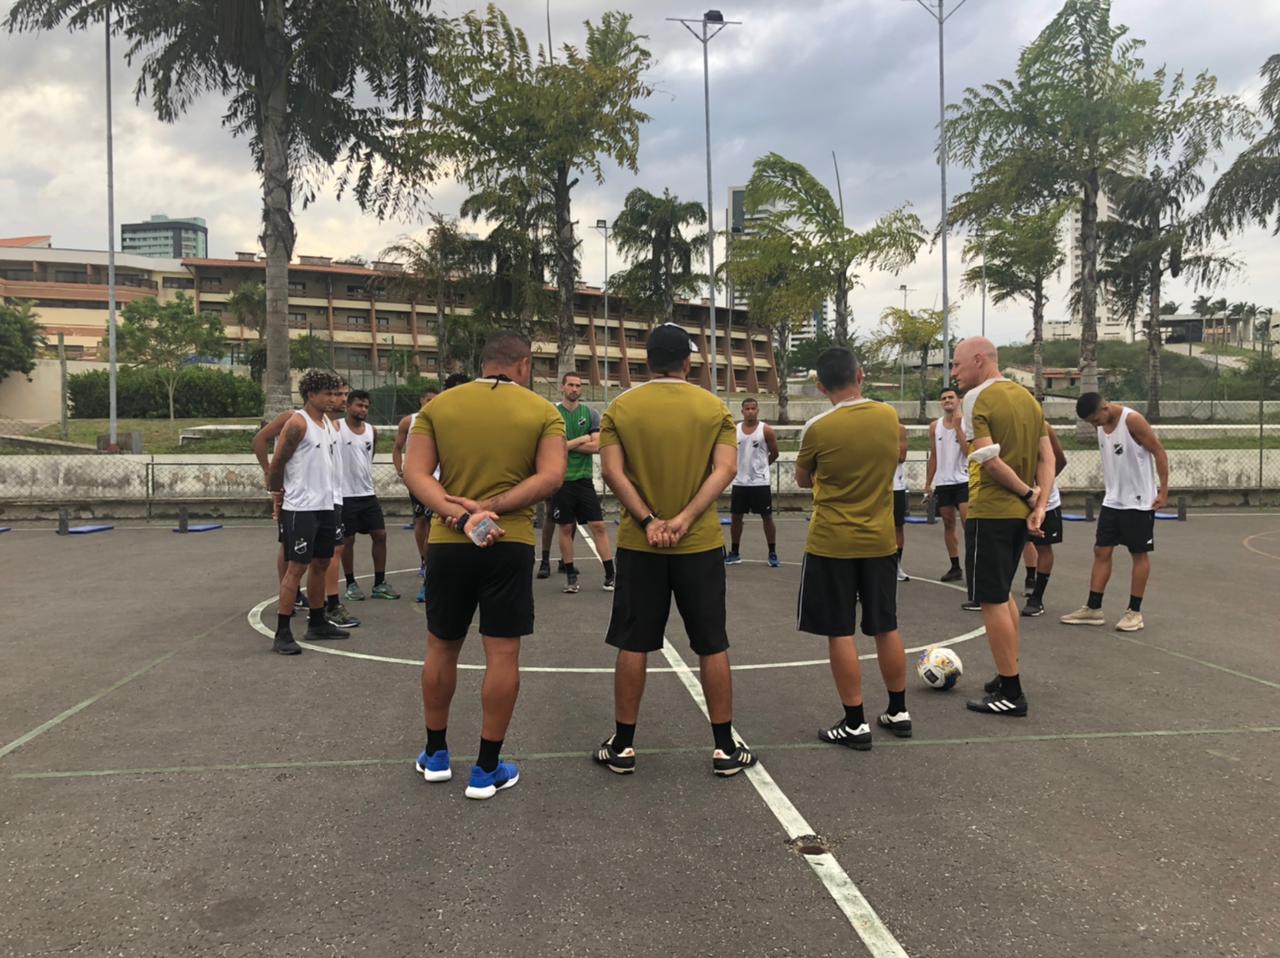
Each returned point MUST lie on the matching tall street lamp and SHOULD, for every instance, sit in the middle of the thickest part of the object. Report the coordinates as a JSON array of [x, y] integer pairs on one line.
[[604, 227], [717, 19], [113, 422]]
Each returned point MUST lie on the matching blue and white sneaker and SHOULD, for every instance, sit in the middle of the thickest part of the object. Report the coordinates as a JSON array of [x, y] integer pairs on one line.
[[773, 560], [487, 784], [434, 768], [422, 593], [732, 557], [422, 570]]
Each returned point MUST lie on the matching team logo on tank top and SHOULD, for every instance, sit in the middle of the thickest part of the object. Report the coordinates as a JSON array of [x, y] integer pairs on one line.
[[1118, 448]]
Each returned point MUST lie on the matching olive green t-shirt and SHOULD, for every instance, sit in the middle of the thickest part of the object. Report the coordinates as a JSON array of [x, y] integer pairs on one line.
[[1009, 415], [851, 450], [668, 430], [487, 437], [578, 422]]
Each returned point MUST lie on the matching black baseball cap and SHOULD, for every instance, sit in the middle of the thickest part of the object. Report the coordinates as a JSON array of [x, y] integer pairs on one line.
[[668, 346]]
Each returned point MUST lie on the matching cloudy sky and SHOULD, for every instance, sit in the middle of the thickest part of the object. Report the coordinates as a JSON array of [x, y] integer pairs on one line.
[[800, 77]]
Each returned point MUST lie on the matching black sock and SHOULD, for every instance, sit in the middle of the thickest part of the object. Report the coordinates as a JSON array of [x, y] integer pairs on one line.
[[331, 602], [955, 562], [1042, 583], [1095, 600], [315, 617], [1010, 686], [546, 556], [608, 568], [1031, 573], [624, 736], [379, 578], [773, 547], [853, 716], [351, 578], [489, 751], [734, 547], [282, 625], [723, 732], [1135, 603], [897, 702], [570, 568], [435, 741]]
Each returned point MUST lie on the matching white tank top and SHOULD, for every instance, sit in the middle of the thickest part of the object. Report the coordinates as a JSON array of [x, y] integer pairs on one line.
[[1055, 499], [900, 478], [753, 458], [308, 475], [1127, 469], [335, 461], [952, 466], [355, 452]]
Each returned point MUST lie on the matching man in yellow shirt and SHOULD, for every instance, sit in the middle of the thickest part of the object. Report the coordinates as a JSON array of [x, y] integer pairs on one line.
[[667, 450], [848, 457], [1010, 480], [500, 449]]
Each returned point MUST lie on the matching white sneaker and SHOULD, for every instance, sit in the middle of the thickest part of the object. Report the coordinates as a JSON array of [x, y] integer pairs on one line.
[[1083, 616], [1130, 622], [902, 576]]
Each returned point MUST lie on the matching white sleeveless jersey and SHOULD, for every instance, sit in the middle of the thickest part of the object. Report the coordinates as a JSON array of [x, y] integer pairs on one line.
[[952, 466], [900, 478], [335, 460], [308, 475], [1055, 499], [1127, 469], [753, 458], [355, 453]]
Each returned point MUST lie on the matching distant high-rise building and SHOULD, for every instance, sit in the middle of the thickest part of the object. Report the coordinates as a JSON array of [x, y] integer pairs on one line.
[[185, 238]]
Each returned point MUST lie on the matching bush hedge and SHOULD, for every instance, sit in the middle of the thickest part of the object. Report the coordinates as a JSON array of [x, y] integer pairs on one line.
[[141, 394]]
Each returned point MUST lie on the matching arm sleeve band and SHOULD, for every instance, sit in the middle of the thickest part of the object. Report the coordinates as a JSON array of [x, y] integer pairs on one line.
[[985, 454]]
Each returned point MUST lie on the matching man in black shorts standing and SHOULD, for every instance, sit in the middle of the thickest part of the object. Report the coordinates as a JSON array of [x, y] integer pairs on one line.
[[752, 486], [361, 511], [421, 515], [900, 502], [668, 450], [848, 456], [1010, 476], [576, 501], [1038, 553], [500, 449], [947, 480]]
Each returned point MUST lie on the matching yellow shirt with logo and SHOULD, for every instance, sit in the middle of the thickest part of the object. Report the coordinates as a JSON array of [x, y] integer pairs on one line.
[[851, 450], [487, 436], [1007, 414], [668, 430]]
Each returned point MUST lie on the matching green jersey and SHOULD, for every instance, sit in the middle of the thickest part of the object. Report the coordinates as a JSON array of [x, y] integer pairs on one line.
[[578, 422]]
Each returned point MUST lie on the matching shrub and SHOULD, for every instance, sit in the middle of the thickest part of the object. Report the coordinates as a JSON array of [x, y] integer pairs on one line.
[[202, 393]]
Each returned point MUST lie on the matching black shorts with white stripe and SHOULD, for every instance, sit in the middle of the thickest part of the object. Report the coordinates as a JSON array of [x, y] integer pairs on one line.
[[993, 553]]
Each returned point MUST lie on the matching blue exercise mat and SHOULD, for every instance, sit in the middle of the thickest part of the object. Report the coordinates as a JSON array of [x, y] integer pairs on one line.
[[204, 527], [725, 520], [917, 520], [407, 525], [86, 530], [1167, 515], [5, 528], [1072, 517]]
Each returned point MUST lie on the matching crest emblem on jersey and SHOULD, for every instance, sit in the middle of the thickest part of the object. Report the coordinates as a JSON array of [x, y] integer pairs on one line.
[[300, 546], [1118, 448]]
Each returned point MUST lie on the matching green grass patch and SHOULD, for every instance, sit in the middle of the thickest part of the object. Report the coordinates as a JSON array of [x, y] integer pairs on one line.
[[158, 435]]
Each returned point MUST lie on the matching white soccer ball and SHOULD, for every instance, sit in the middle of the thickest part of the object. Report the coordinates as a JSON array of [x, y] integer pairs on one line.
[[939, 667]]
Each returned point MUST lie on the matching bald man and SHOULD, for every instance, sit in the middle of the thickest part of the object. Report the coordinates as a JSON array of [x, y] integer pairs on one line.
[[1010, 479]]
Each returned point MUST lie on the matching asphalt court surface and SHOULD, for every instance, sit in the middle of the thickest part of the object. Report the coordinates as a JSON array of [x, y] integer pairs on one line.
[[169, 786]]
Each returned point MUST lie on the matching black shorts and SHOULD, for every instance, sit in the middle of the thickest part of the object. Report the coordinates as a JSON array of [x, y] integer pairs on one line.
[[899, 509], [340, 532], [420, 511], [362, 515], [756, 499], [1051, 527], [645, 584], [1135, 529], [308, 535], [993, 555], [574, 502], [952, 495], [498, 579], [830, 590]]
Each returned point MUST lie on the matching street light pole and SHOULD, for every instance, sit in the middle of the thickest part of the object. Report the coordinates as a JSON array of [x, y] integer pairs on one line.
[[713, 17], [113, 425], [603, 226]]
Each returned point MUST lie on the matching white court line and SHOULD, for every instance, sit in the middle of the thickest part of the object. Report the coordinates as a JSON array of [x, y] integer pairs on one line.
[[866, 923]]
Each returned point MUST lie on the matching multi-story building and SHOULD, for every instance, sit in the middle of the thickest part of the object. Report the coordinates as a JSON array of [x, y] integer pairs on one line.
[[358, 313], [166, 238]]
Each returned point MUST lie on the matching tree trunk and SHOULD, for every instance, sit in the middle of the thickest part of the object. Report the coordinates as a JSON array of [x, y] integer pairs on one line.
[[840, 335], [1037, 337], [922, 415], [1153, 347], [1088, 296], [566, 333], [442, 321], [173, 385], [781, 358], [278, 233], [668, 286]]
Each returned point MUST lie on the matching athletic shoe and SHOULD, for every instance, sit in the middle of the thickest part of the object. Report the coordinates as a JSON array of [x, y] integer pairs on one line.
[[325, 631], [487, 784], [623, 762], [902, 576], [422, 570], [1033, 609], [726, 765], [571, 583], [544, 570], [341, 617], [899, 724], [971, 606], [996, 703], [773, 560], [952, 575], [354, 593], [422, 593], [609, 583], [1130, 622], [300, 600], [843, 734], [283, 644], [1083, 616], [434, 768], [732, 557], [383, 590]]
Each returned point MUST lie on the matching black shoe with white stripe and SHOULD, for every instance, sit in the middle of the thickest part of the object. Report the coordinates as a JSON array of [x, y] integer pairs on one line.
[[997, 703], [843, 734], [971, 606], [899, 724], [726, 765], [622, 761]]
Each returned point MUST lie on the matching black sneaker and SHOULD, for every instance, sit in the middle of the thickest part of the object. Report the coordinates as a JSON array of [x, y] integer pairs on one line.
[[841, 734], [300, 600], [970, 606], [570, 583], [325, 631], [609, 583], [726, 765], [544, 569], [899, 724], [952, 575], [283, 644], [341, 618], [992, 685], [623, 762], [997, 703], [1033, 609]]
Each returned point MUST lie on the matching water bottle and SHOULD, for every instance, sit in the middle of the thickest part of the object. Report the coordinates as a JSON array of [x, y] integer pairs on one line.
[[482, 530]]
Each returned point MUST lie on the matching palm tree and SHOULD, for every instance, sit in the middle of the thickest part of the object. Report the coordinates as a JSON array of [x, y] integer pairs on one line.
[[248, 305], [650, 231], [1249, 192], [1170, 308], [318, 88]]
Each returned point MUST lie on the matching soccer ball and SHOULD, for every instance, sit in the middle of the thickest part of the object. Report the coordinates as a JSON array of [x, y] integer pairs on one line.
[[939, 667]]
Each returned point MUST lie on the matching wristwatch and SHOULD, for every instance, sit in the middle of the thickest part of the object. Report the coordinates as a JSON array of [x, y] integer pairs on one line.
[[463, 520], [1028, 495], [644, 523]]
